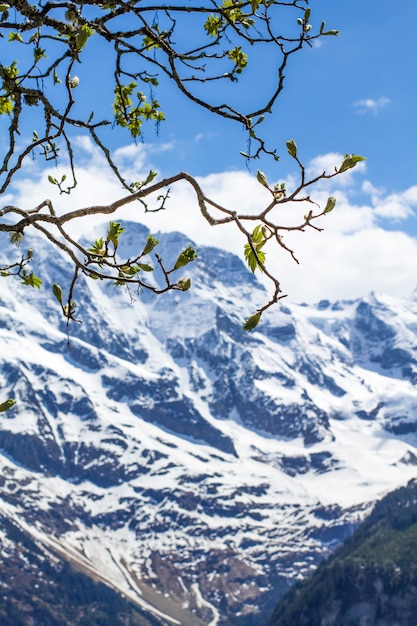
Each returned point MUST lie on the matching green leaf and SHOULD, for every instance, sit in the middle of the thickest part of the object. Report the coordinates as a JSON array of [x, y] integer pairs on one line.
[[292, 148], [128, 116], [213, 25], [145, 267], [149, 177], [258, 241], [4, 7], [254, 260], [252, 322], [114, 230], [239, 57], [57, 291], [152, 80], [83, 36], [39, 53], [15, 37], [5, 406], [258, 234], [331, 203], [335, 33], [52, 180], [150, 244], [31, 280], [98, 248], [187, 256], [6, 105], [128, 271], [11, 71], [350, 161]]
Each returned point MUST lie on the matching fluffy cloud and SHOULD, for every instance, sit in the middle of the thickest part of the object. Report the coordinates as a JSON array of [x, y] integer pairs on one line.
[[345, 266], [353, 255], [393, 206]]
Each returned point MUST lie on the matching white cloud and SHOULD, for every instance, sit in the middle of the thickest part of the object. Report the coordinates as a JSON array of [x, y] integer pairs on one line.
[[369, 189], [346, 266], [324, 163], [394, 206], [351, 257], [329, 163], [366, 105]]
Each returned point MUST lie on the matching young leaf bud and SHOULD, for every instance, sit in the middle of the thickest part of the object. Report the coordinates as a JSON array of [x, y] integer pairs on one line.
[[292, 148], [187, 256], [151, 243], [252, 322], [5, 406], [331, 203], [262, 178], [74, 82], [57, 291], [184, 284]]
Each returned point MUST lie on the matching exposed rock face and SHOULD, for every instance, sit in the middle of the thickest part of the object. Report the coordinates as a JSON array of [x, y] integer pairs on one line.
[[192, 466]]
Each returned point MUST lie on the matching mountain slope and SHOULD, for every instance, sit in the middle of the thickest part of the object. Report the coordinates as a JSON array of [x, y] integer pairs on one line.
[[372, 579], [38, 587], [189, 465]]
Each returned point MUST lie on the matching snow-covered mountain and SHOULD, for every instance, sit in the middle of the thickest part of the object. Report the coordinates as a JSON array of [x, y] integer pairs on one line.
[[194, 467]]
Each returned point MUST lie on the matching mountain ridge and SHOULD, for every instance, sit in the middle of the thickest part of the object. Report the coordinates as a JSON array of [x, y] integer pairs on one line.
[[182, 455]]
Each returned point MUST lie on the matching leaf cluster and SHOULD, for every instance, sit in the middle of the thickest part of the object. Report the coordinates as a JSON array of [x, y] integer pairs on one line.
[[103, 263], [132, 117], [59, 35], [254, 255], [145, 48]]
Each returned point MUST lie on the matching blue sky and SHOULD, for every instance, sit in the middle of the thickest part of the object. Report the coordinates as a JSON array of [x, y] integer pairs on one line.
[[352, 93], [355, 93]]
